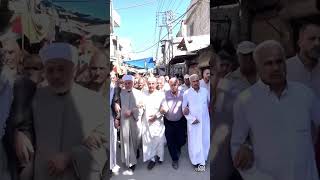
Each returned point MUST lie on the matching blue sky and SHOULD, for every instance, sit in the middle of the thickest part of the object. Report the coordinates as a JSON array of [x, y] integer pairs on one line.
[[138, 23]]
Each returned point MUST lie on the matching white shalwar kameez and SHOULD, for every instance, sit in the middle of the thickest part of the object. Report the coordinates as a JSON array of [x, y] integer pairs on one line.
[[280, 130], [198, 134], [153, 132]]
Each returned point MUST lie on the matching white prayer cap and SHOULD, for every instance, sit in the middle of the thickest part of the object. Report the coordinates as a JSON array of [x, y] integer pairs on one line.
[[194, 77], [246, 47], [128, 78], [186, 76], [60, 50], [152, 79]]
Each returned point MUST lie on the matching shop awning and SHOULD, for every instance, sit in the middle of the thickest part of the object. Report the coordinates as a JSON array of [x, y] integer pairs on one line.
[[147, 63]]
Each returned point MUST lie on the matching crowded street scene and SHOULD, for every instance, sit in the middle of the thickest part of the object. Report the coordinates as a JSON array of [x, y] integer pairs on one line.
[[160, 111], [159, 89]]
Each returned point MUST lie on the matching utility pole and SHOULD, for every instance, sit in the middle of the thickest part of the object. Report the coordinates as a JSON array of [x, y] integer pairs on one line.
[[167, 19]]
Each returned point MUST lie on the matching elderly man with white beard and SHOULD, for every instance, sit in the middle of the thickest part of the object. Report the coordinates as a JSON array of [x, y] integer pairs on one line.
[[69, 122], [196, 110], [153, 128]]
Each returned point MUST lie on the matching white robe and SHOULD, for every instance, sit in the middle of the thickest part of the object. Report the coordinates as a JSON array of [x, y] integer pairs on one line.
[[153, 133], [198, 134], [280, 131]]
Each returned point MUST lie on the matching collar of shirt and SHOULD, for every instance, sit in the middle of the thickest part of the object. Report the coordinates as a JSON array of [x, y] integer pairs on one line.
[[266, 88], [195, 90], [177, 95], [300, 63]]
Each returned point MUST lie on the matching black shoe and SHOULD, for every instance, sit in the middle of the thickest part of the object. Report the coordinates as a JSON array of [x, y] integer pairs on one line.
[[151, 165], [175, 164], [200, 168], [157, 158], [132, 168]]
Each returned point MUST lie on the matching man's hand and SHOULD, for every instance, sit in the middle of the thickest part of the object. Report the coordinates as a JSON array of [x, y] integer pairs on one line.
[[196, 121], [162, 110], [186, 111], [128, 113], [58, 164], [94, 141], [117, 107], [244, 158], [152, 118], [23, 146]]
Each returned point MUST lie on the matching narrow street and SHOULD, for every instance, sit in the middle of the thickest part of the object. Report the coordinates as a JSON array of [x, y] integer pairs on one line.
[[164, 171]]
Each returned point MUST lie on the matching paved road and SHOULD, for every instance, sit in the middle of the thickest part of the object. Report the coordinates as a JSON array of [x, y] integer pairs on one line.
[[164, 171]]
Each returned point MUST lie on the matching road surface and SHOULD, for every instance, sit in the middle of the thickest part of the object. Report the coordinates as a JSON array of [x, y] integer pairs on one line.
[[163, 171]]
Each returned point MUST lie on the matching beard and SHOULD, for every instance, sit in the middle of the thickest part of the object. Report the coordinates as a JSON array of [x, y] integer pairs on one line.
[[315, 53]]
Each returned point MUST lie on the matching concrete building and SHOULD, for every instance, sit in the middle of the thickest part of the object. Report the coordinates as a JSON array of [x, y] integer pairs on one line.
[[261, 20], [198, 18], [114, 39], [194, 34]]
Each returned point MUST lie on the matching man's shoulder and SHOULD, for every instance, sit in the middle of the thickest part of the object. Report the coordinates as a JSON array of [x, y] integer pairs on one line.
[[299, 88], [204, 90], [293, 61], [85, 91], [136, 91], [248, 94], [234, 75]]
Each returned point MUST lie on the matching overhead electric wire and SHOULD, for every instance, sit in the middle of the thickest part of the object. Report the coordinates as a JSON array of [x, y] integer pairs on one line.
[[137, 5], [193, 5]]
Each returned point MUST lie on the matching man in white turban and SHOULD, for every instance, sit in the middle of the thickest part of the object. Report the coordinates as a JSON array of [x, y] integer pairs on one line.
[[69, 122], [130, 120]]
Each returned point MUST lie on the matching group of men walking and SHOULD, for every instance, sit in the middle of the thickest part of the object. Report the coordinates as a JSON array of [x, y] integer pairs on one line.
[[150, 112]]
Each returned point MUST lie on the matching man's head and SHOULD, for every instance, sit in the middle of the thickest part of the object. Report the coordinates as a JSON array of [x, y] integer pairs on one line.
[[128, 81], [98, 68], [120, 83], [206, 75], [270, 58], [12, 54], [160, 82], [194, 80], [246, 62], [32, 67], [140, 83], [186, 80], [113, 77], [152, 84], [59, 65], [309, 41], [167, 78], [174, 84], [224, 63]]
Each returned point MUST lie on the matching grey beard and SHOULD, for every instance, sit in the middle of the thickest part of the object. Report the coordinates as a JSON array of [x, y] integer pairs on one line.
[[315, 53]]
